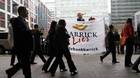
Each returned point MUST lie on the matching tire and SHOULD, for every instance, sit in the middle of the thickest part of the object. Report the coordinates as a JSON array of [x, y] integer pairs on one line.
[[2, 50]]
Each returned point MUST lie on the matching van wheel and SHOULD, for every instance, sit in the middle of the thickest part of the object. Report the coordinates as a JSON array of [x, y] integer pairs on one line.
[[1, 50]]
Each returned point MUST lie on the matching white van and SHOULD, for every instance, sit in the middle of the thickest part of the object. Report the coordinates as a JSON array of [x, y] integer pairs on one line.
[[6, 40]]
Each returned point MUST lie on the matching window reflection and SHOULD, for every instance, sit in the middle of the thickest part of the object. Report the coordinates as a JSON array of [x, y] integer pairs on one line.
[[15, 6], [9, 5], [2, 4], [2, 19]]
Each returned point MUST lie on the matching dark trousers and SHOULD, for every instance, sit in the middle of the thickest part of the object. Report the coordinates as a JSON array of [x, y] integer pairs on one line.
[[49, 61], [129, 51], [64, 51], [111, 50], [39, 53], [137, 62], [117, 46], [122, 49], [23, 63], [13, 56]]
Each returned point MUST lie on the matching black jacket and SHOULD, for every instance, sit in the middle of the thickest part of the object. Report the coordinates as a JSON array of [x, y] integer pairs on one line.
[[110, 39], [22, 35]]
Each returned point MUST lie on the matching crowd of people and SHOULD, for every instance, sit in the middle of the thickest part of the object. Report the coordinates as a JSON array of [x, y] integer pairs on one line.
[[27, 45], [127, 39]]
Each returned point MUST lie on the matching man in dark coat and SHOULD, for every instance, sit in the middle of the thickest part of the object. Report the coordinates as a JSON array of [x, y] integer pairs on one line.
[[137, 62], [111, 46], [37, 45], [23, 44]]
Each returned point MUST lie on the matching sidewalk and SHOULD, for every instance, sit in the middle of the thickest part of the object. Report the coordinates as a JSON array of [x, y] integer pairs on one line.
[[89, 66]]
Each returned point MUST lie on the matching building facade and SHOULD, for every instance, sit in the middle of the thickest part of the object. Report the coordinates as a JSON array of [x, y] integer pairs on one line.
[[8, 9], [38, 13], [123, 9], [44, 18], [68, 9]]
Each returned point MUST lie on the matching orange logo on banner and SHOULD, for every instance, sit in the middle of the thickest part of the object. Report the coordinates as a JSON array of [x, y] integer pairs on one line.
[[80, 26]]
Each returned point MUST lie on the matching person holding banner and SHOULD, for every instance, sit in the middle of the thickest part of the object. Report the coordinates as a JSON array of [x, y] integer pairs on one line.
[[80, 17], [110, 45]]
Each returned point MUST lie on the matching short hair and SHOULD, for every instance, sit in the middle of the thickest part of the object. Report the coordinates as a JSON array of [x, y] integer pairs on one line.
[[62, 22], [129, 20], [35, 26], [111, 27], [21, 9]]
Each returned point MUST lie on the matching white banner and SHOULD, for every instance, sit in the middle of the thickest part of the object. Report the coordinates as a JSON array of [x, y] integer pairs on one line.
[[87, 37]]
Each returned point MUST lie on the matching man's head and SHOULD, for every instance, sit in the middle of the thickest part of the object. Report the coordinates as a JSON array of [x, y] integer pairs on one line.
[[111, 27], [35, 26], [62, 22], [22, 11]]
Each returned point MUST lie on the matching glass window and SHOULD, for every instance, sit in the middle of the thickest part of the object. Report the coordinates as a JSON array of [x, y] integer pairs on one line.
[[8, 18], [26, 3], [21, 1], [2, 19], [15, 7], [2, 4], [9, 5]]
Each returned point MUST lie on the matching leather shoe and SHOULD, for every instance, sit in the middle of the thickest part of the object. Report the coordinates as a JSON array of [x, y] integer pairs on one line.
[[74, 73], [115, 62], [46, 71], [63, 70], [136, 69], [52, 74], [8, 74]]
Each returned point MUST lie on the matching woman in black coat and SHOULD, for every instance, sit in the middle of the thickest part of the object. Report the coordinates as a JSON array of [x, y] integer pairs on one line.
[[62, 43], [52, 52]]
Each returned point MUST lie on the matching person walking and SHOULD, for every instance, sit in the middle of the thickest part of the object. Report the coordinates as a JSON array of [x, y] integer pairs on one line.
[[52, 52], [110, 46], [23, 44], [62, 43], [129, 33], [37, 45], [137, 62]]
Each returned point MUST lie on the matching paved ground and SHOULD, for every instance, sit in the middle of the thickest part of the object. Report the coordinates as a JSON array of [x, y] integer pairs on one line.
[[88, 66]]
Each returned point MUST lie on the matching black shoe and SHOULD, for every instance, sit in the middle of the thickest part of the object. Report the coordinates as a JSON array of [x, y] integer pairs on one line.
[[46, 71], [74, 73], [33, 63], [136, 69], [11, 64], [52, 74], [8, 75], [115, 62], [101, 58], [63, 70]]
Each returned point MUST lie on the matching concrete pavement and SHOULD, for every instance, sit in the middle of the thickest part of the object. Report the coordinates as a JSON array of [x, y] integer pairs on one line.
[[89, 66]]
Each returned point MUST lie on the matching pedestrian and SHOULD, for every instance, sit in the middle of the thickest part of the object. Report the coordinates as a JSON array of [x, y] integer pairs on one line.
[[62, 39], [23, 44], [110, 45], [51, 49], [37, 49], [137, 62], [129, 33]]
